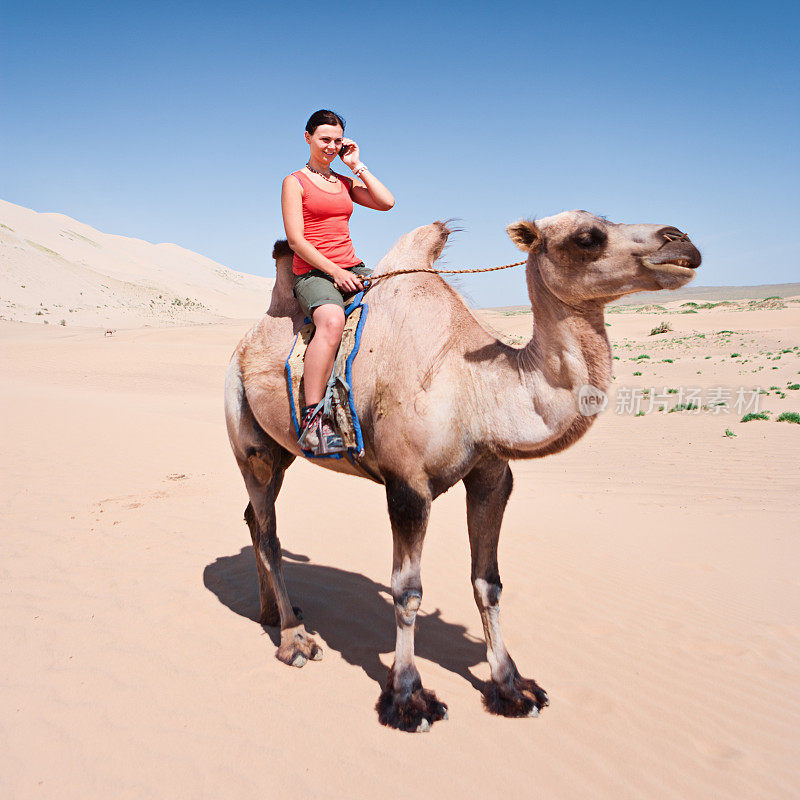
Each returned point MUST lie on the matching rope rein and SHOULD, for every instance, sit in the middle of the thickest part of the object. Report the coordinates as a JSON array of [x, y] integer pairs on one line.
[[372, 281], [669, 236]]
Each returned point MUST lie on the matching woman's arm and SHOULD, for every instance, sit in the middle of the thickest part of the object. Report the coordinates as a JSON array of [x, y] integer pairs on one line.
[[368, 191], [292, 208]]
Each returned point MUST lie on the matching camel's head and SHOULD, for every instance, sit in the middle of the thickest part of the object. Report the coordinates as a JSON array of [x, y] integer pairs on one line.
[[580, 257]]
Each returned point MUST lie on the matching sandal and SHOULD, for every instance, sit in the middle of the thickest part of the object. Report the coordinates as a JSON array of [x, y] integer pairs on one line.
[[318, 435]]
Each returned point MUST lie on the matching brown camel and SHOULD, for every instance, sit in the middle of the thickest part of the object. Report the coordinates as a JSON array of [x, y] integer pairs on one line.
[[441, 401]]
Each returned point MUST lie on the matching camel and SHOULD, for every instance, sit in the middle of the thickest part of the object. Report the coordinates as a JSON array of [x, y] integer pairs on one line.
[[441, 400]]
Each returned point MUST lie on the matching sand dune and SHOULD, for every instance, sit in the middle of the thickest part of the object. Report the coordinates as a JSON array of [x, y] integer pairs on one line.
[[55, 268]]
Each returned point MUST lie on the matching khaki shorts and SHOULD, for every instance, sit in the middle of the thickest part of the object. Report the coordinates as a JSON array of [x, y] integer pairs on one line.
[[316, 288]]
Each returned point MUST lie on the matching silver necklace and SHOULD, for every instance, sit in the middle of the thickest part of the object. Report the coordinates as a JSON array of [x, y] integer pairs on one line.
[[330, 177]]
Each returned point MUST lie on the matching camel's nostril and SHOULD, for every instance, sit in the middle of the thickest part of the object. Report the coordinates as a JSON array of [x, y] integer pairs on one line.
[[674, 235]]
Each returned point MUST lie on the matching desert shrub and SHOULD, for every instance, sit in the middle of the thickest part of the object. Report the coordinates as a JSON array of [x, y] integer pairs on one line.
[[764, 415], [789, 416], [661, 328], [684, 407]]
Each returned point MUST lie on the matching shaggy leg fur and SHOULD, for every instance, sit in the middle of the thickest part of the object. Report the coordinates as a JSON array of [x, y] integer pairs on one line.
[[516, 697], [410, 708]]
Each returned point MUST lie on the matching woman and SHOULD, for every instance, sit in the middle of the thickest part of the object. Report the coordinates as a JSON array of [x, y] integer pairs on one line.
[[317, 203]]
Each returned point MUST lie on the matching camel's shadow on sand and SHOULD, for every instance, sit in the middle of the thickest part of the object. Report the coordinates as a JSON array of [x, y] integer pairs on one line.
[[353, 614]]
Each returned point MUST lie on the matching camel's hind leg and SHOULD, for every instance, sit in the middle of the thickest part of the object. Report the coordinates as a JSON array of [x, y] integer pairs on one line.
[[263, 477], [488, 489], [269, 604], [263, 462], [404, 704]]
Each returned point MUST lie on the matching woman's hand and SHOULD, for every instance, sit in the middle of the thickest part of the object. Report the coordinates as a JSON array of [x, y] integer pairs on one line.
[[351, 155], [346, 281]]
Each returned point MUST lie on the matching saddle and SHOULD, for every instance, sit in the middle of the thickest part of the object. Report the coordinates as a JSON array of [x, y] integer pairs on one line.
[[338, 403]]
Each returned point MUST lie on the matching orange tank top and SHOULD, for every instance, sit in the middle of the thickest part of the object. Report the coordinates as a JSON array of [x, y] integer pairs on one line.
[[326, 223]]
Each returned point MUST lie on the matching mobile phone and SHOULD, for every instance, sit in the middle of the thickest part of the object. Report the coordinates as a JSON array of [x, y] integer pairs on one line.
[[342, 150]]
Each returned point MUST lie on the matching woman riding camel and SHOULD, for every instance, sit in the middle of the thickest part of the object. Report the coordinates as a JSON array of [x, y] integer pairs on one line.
[[317, 203]]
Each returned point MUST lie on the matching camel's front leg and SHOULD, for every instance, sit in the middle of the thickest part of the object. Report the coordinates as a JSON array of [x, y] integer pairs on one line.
[[488, 489], [404, 704]]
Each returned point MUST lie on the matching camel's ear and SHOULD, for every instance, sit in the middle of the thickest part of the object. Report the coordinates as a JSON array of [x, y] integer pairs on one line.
[[525, 235]]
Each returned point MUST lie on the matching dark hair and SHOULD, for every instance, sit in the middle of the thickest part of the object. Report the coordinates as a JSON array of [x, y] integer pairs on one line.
[[323, 117]]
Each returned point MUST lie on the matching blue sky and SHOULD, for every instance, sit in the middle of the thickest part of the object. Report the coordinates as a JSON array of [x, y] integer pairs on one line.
[[177, 121]]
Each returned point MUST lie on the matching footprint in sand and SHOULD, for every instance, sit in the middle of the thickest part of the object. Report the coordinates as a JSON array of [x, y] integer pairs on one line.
[[130, 501]]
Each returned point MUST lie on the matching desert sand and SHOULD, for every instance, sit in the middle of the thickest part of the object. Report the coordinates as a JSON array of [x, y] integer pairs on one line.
[[650, 583]]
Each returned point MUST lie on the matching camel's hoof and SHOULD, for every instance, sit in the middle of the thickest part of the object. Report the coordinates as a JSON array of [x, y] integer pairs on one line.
[[415, 714], [297, 648], [521, 697]]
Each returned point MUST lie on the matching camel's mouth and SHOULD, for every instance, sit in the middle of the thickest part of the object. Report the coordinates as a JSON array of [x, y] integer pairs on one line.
[[671, 273], [676, 266]]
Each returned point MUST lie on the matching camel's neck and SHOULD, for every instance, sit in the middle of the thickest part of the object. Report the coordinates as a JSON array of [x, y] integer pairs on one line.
[[569, 347], [537, 396]]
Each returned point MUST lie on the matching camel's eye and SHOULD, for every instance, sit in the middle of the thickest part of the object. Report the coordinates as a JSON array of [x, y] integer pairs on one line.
[[587, 240]]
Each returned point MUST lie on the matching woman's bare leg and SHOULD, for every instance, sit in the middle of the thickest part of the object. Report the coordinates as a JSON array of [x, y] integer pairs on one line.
[[321, 351]]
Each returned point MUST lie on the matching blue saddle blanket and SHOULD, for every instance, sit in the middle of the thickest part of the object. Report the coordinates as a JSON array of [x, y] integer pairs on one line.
[[339, 401]]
